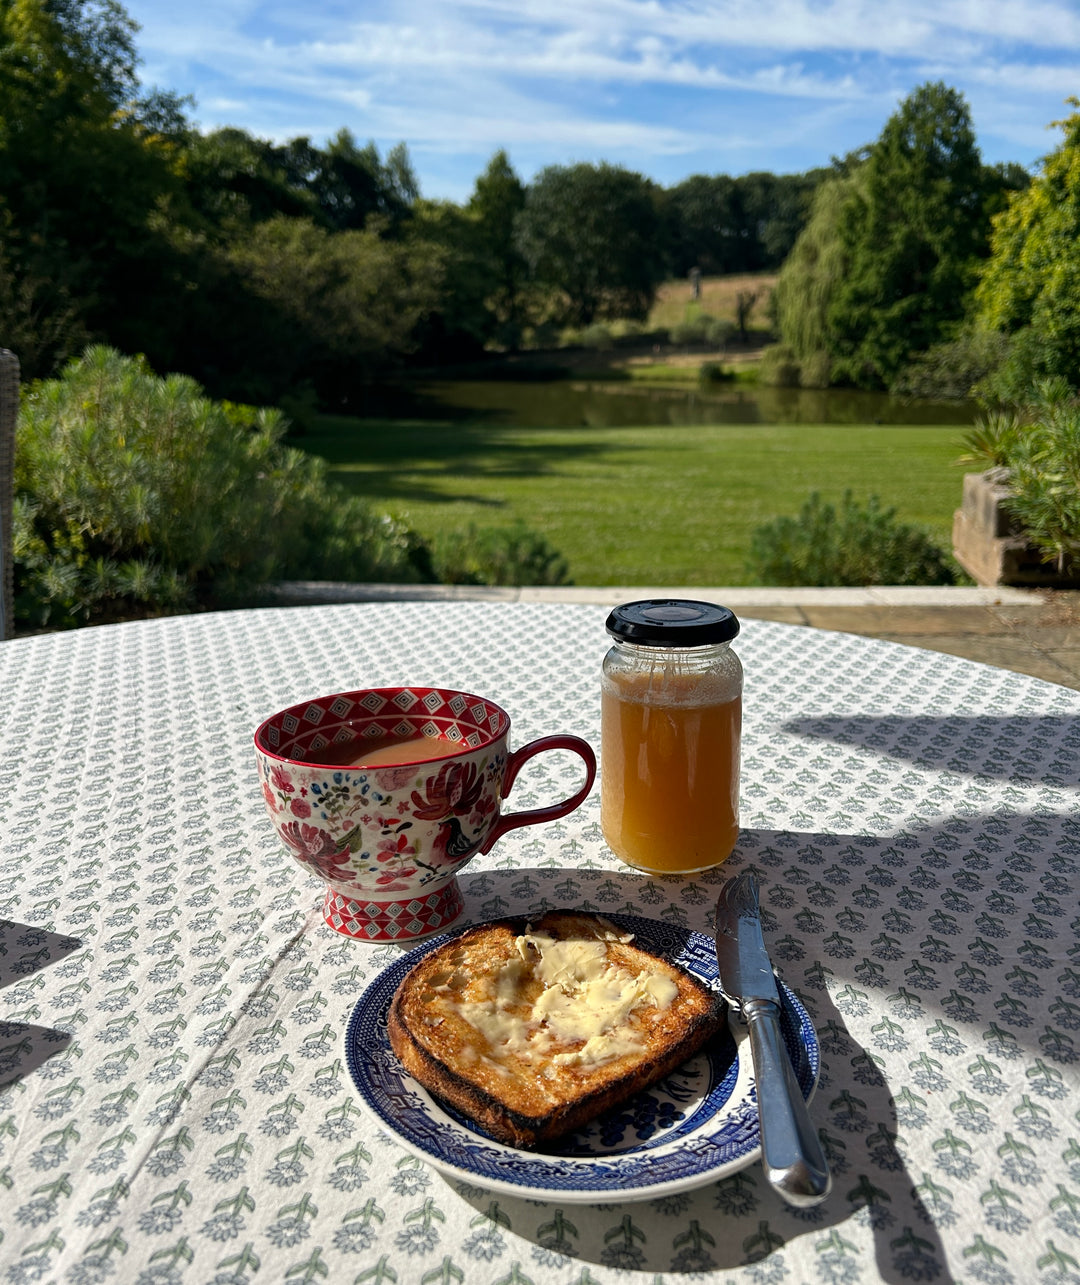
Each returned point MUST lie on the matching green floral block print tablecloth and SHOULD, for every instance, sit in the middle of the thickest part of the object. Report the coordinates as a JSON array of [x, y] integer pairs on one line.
[[175, 1105]]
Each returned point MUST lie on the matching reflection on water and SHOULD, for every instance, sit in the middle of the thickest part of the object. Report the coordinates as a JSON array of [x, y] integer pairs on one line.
[[573, 403]]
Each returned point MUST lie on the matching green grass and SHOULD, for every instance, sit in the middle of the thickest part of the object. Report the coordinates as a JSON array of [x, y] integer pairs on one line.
[[640, 506]]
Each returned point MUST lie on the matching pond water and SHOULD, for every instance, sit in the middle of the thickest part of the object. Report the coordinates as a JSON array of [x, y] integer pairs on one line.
[[584, 403]]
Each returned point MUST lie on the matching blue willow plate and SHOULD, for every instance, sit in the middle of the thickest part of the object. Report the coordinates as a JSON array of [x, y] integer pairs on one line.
[[696, 1126]]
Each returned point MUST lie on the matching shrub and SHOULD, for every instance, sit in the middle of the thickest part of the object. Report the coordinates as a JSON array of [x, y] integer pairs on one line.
[[598, 337], [953, 370], [779, 367], [990, 442], [853, 546], [513, 555], [1038, 449], [685, 332], [1025, 364], [712, 372], [137, 494], [701, 328]]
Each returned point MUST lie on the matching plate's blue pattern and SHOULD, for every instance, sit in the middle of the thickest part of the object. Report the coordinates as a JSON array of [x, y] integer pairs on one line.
[[707, 1135]]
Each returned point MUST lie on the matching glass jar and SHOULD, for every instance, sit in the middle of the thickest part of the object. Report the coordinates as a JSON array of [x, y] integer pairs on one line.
[[671, 725]]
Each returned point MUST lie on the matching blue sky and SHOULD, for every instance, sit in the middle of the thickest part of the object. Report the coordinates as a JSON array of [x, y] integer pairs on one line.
[[669, 88]]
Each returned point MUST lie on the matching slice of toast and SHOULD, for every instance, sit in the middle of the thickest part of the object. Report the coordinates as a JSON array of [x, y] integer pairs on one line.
[[533, 1029]]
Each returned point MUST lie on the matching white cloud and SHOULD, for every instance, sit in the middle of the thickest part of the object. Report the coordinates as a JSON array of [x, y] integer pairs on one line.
[[651, 78]]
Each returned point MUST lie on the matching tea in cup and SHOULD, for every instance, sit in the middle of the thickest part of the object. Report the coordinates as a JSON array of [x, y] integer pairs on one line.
[[385, 793]]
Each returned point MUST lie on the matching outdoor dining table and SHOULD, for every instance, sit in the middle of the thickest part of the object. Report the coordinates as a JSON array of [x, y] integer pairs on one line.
[[176, 1102]]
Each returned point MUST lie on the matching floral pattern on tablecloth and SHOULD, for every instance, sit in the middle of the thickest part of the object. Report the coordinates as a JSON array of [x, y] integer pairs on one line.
[[173, 1102]]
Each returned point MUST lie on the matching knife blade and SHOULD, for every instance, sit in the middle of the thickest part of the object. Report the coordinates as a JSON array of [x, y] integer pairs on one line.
[[791, 1152]]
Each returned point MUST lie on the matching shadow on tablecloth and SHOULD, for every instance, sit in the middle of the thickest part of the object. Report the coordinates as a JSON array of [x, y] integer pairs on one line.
[[1025, 749], [26, 949]]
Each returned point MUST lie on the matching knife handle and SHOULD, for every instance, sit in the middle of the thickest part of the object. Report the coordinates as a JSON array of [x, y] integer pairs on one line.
[[790, 1149]]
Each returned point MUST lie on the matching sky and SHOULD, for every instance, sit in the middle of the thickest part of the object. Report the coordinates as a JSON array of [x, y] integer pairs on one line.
[[668, 88]]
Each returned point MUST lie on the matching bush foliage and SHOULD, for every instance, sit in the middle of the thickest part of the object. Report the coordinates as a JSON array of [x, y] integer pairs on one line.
[[1037, 449], [138, 494], [498, 556], [701, 328], [855, 545], [779, 367], [956, 369]]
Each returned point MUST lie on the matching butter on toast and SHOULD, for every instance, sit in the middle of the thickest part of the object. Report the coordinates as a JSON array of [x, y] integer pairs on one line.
[[531, 1029]]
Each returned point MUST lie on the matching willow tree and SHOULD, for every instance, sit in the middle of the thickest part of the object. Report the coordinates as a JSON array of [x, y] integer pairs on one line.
[[812, 273]]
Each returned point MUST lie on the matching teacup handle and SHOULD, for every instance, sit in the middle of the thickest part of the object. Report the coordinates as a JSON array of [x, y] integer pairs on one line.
[[517, 759]]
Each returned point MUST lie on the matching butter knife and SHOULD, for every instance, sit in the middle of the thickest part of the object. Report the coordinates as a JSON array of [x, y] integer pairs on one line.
[[791, 1152]]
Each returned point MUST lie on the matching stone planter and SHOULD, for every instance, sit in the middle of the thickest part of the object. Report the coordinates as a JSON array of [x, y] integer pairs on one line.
[[989, 545]]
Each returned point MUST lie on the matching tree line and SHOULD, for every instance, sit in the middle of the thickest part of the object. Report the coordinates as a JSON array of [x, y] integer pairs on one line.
[[261, 267], [264, 269]]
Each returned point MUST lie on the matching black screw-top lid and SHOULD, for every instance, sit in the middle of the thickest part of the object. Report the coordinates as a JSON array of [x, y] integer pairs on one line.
[[672, 622]]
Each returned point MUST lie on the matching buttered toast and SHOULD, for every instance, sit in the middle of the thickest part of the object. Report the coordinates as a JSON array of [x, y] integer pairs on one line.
[[534, 1028]]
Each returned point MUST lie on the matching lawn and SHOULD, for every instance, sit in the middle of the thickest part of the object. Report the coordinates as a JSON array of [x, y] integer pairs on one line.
[[660, 505]]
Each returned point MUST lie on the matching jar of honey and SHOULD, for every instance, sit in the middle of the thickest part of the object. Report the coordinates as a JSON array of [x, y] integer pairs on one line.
[[671, 724]]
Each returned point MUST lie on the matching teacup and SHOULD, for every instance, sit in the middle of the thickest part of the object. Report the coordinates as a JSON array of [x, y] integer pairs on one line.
[[386, 793]]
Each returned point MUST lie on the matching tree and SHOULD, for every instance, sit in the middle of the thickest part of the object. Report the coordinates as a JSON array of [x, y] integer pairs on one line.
[[746, 224], [495, 205], [336, 306], [234, 177], [702, 225], [353, 184], [901, 234], [482, 270], [811, 276], [591, 233], [458, 323], [1029, 285], [788, 210], [246, 319], [84, 165], [913, 239]]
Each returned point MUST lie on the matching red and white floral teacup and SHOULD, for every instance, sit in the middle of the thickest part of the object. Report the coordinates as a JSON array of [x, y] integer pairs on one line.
[[387, 792]]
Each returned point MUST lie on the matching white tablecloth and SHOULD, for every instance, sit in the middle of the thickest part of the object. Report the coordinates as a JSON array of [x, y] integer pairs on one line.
[[174, 1105]]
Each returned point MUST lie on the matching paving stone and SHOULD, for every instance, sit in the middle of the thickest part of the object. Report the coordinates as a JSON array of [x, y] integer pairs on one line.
[[908, 620], [786, 615], [1070, 663]]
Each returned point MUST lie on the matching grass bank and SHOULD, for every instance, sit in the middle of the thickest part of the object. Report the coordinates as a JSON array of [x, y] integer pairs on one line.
[[664, 505], [718, 297]]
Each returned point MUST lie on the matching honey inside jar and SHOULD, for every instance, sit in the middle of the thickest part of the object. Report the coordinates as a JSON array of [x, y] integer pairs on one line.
[[671, 724], [670, 774]]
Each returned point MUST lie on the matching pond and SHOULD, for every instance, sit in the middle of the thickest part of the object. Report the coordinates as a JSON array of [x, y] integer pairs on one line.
[[573, 402]]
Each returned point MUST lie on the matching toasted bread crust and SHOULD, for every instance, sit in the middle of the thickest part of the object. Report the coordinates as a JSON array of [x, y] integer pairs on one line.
[[525, 1104]]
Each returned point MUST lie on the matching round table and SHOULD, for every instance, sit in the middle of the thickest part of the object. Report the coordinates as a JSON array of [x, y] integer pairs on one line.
[[174, 1105]]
